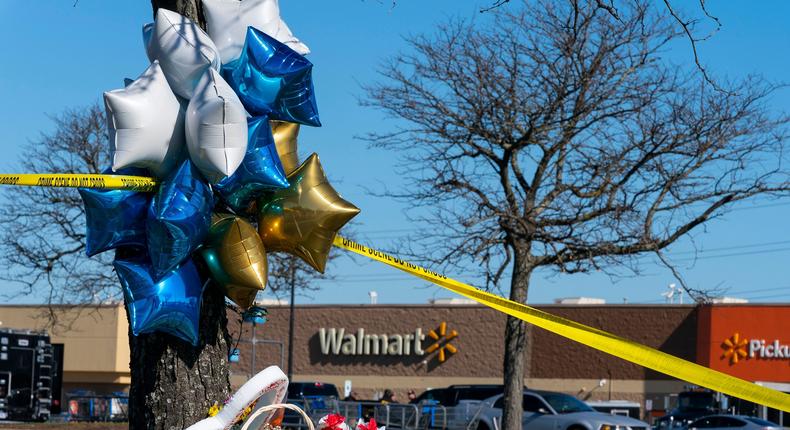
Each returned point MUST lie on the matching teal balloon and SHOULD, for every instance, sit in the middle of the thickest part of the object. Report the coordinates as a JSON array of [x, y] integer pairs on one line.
[[256, 315], [178, 218], [168, 305], [260, 171], [273, 80], [211, 257]]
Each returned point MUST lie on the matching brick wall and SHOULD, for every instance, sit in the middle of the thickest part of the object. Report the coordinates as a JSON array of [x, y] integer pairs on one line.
[[480, 341]]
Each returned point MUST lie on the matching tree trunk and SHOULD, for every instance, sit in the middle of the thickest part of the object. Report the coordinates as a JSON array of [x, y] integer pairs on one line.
[[516, 345], [173, 383], [191, 9]]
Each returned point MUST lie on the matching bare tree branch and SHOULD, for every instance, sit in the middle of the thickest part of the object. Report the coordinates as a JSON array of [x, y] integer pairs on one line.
[[698, 295], [558, 137], [685, 25], [43, 239]]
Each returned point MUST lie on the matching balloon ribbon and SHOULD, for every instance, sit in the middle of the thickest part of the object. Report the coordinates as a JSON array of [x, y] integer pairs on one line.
[[592, 337]]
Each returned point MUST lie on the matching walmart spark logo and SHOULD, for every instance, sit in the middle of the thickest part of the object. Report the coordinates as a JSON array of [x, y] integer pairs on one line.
[[735, 348], [442, 342]]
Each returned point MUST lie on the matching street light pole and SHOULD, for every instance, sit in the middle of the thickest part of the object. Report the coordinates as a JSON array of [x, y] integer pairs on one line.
[[291, 319]]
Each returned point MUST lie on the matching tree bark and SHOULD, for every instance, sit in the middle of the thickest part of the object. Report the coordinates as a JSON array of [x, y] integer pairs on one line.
[[191, 9], [516, 344], [173, 383]]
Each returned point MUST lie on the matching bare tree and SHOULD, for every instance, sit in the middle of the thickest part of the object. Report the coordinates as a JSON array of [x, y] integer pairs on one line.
[[286, 271], [57, 270], [43, 252], [43, 242], [687, 25], [556, 137]]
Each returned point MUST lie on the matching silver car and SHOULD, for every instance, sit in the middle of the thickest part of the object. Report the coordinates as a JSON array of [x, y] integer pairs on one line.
[[546, 410], [732, 422]]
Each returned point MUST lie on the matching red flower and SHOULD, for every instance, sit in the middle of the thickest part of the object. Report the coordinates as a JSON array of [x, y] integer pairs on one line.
[[371, 425], [334, 422]]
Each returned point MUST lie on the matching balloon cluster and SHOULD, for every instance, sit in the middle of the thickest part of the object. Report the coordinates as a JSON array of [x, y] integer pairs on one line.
[[215, 118]]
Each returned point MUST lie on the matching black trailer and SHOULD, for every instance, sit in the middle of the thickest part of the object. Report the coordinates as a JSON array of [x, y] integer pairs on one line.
[[27, 371]]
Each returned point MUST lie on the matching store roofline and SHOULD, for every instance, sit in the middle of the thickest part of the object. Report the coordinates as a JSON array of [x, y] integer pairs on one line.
[[537, 305], [62, 306], [428, 305]]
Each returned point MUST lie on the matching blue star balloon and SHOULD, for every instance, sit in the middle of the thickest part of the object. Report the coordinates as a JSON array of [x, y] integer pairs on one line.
[[178, 218], [272, 79], [170, 305], [115, 218], [260, 171]]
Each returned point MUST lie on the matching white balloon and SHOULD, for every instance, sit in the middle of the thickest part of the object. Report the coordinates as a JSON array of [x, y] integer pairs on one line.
[[183, 49], [267, 387], [145, 122], [148, 31], [227, 22], [216, 127]]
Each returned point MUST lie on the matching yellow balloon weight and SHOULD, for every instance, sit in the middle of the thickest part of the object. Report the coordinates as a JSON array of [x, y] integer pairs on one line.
[[285, 139], [236, 258], [304, 218]]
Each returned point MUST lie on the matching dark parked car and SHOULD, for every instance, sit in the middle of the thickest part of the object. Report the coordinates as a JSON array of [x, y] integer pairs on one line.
[[297, 390], [454, 406], [453, 394], [691, 406], [316, 398], [732, 422]]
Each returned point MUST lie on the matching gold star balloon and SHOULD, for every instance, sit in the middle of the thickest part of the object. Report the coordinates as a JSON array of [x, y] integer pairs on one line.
[[304, 218], [236, 258], [285, 138]]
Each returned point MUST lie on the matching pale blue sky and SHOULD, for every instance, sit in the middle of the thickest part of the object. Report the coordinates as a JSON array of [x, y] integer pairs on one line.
[[56, 56]]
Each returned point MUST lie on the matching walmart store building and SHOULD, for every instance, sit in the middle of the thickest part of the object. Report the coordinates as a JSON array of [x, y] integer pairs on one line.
[[404, 347]]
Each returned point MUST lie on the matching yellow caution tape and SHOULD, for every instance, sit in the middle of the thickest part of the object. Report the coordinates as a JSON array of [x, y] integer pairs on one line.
[[592, 337], [76, 180]]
